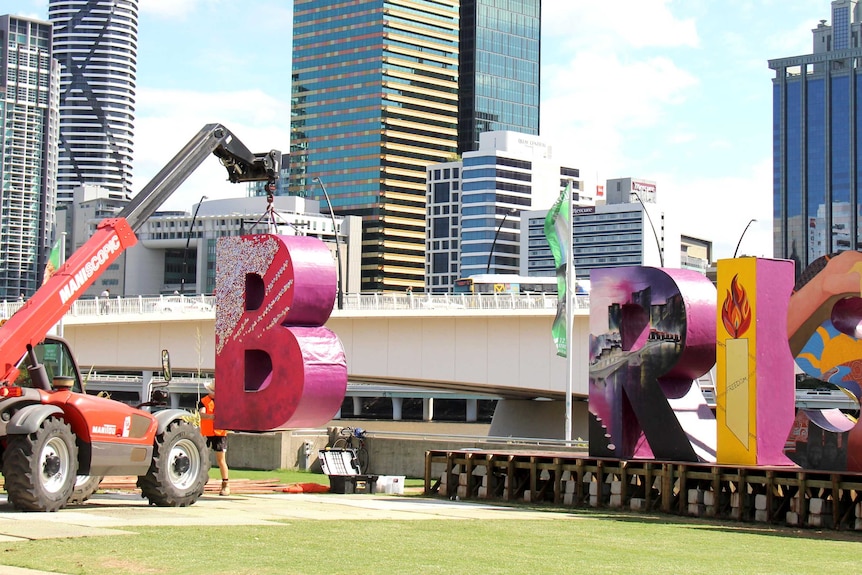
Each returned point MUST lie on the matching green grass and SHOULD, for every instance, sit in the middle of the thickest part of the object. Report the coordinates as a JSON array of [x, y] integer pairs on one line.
[[575, 542], [570, 541]]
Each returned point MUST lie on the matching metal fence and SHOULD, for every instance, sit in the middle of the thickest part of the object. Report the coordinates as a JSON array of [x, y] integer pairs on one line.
[[493, 301], [205, 304]]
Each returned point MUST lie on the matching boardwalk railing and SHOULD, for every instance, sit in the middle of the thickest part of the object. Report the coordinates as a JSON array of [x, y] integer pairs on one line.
[[777, 495]]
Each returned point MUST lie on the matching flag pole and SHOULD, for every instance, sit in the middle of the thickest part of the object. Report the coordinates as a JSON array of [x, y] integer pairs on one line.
[[570, 282]]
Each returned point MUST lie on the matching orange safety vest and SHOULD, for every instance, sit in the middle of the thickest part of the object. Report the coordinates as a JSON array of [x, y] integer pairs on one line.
[[208, 425]]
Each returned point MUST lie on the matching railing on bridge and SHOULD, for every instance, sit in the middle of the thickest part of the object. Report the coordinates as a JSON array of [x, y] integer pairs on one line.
[[492, 301], [394, 301]]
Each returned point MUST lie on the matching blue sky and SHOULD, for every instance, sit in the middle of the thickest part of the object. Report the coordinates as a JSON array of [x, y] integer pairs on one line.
[[678, 92]]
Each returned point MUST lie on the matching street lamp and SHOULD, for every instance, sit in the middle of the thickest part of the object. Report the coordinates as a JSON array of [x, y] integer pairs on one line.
[[497, 233], [186, 252], [657, 243], [751, 221], [337, 243]]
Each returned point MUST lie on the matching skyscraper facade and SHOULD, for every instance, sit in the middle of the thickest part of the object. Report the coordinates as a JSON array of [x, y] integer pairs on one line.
[[498, 69], [29, 94], [374, 100], [384, 88], [96, 45], [631, 229], [475, 205], [817, 153]]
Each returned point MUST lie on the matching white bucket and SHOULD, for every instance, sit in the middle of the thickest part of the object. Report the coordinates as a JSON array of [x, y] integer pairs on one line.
[[391, 484], [396, 485]]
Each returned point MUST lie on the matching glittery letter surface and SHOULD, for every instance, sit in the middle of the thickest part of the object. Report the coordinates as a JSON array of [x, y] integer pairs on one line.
[[277, 367]]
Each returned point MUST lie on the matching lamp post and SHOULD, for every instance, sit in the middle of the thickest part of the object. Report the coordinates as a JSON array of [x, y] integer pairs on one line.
[[494, 243], [337, 243], [751, 221], [649, 219], [186, 252]]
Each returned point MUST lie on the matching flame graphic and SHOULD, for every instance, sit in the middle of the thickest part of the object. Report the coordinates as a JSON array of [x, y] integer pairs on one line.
[[736, 312]]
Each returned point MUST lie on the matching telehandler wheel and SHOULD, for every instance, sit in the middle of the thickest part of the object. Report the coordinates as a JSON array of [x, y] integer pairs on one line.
[[40, 467], [180, 467], [85, 486]]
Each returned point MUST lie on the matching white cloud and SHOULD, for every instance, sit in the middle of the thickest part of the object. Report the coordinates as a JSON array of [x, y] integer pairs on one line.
[[617, 102], [36, 9], [718, 209], [592, 103], [626, 23], [168, 119], [169, 8]]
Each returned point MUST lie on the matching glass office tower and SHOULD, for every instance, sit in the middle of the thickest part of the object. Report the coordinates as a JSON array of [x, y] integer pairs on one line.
[[498, 67], [374, 100], [384, 88], [817, 156], [29, 96], [96, 44]]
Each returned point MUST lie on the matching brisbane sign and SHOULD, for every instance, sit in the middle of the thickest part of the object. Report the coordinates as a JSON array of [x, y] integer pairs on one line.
[[654, 332], [277, 366]]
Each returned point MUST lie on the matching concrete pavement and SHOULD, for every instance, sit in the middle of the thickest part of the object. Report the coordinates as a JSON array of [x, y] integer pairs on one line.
[[119, 513]]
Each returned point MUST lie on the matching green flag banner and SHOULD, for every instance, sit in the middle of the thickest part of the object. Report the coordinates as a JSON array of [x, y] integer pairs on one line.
[[53, 263], [557, 232]]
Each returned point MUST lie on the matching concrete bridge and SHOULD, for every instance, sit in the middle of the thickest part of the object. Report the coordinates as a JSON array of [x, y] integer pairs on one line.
[[467, 346], [496, 344]]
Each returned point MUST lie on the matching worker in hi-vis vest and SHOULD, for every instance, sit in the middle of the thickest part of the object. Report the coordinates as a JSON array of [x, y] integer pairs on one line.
[[216, 438]]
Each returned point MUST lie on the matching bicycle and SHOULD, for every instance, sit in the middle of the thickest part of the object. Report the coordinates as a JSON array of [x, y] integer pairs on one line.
[[354, 438]]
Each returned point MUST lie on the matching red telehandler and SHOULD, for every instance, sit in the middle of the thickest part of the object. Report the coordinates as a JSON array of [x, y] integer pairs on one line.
[[57, 441]]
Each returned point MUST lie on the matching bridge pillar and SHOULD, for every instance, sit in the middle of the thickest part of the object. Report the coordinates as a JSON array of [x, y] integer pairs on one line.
[[396, 408], [428, 409], [357, 406], [472, 410]]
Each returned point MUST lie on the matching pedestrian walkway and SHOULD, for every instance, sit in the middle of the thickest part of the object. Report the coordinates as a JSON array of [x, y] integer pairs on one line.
[[119, 513]]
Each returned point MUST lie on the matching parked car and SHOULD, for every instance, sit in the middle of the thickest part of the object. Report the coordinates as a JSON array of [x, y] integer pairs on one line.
[[182, 304]]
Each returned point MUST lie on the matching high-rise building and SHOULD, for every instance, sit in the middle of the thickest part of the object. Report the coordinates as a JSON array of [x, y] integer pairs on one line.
[[498, 69], [377, 87], [29, 86], [96, 45], [632, 229], [474, 206], [374, 101], [79, 220], [816, 126], [177, 251]]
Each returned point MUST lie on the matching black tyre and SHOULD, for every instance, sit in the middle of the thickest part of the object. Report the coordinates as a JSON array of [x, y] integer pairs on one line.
[[85, 486], [40, 468], [180, 467]]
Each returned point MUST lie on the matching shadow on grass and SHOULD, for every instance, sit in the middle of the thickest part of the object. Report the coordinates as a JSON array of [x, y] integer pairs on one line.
[[707, 523]]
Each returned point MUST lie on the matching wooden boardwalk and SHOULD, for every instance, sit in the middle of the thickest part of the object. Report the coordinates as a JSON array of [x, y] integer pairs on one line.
[[778, 495]]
